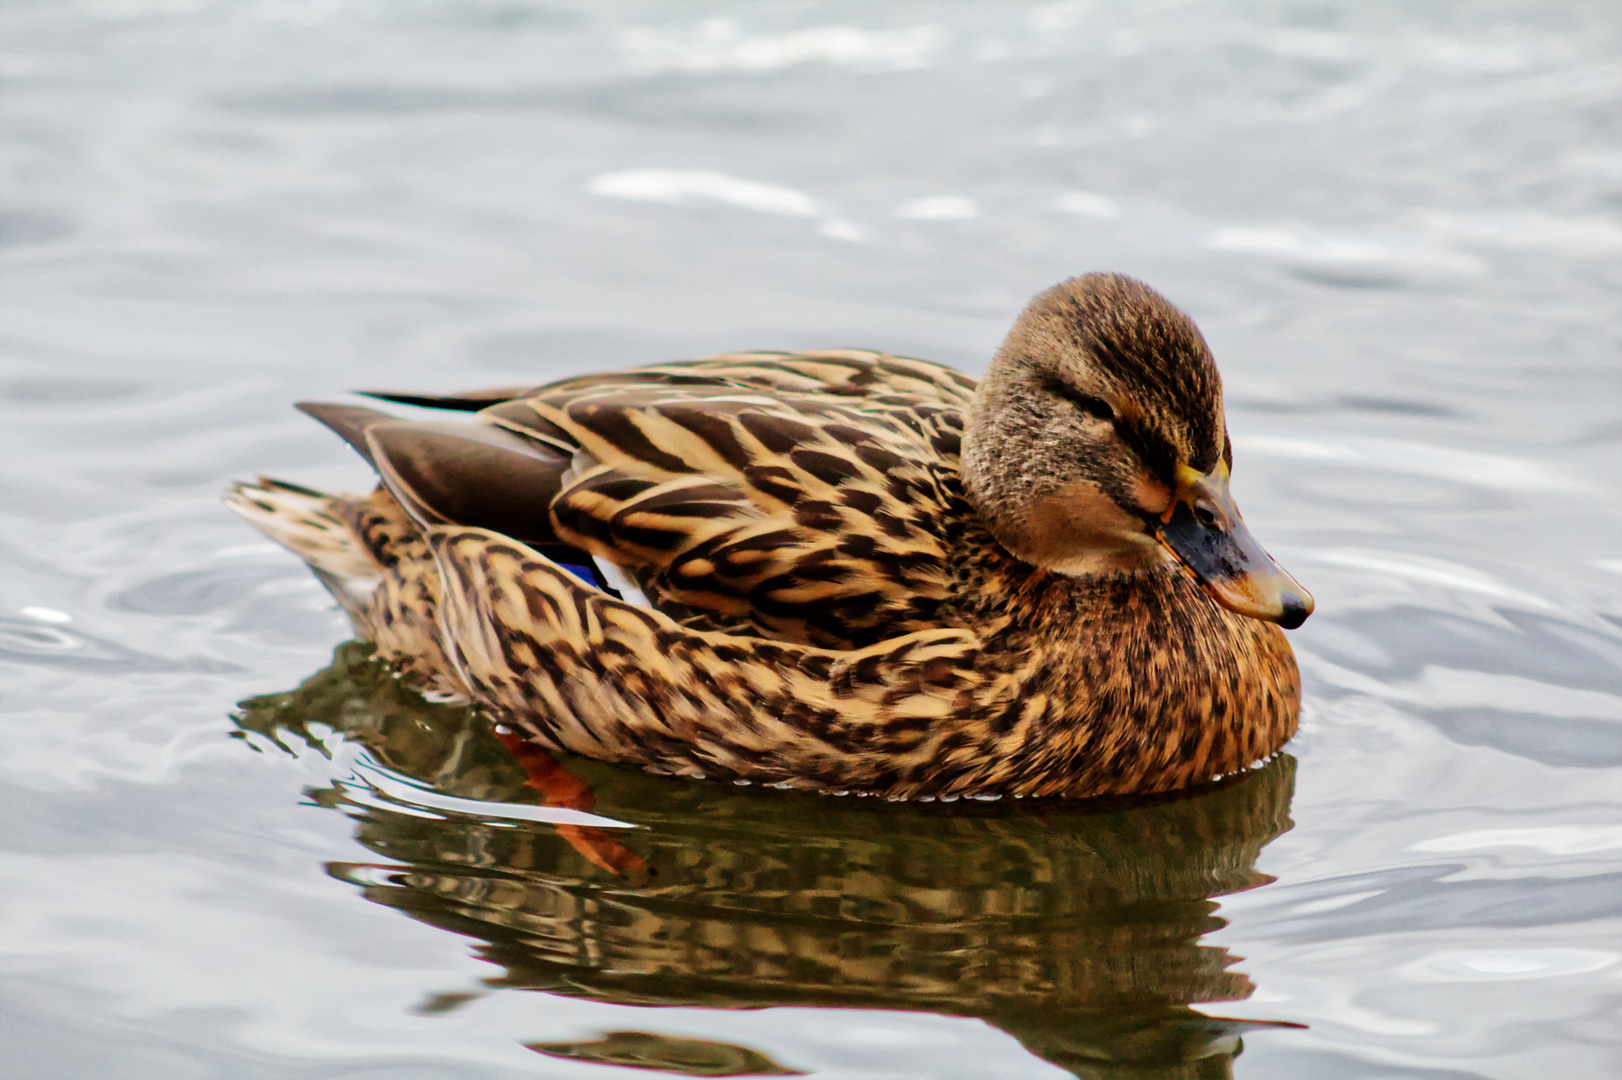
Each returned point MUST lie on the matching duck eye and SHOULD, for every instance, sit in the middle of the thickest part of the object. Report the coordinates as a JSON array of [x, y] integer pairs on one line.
[[1092, 406], [1098, 407]]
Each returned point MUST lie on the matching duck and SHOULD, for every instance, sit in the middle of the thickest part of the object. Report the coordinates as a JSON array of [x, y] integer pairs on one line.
[[843, 571]]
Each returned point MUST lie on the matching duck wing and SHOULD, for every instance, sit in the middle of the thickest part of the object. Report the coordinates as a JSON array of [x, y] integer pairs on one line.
[[803, 497], [463, 474], [580, 671]]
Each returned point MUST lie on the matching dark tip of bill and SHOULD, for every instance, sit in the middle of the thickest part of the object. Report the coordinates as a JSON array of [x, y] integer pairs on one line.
[[1294, 614]]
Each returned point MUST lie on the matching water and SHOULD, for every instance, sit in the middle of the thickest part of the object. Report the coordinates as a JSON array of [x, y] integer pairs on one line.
[[1399, 226]]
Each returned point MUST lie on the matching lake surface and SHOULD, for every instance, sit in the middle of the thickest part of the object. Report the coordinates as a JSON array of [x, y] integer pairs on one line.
[[1399, 226]]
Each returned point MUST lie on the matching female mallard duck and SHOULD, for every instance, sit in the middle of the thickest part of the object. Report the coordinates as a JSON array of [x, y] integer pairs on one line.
[[840, 570]]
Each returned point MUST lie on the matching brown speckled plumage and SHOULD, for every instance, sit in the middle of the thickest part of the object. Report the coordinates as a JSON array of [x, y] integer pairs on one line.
[[829, 608]]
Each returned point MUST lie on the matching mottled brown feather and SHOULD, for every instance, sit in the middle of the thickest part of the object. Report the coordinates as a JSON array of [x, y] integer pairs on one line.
[[770, 493]]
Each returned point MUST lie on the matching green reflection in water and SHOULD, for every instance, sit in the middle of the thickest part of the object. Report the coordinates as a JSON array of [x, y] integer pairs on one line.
[[1075, 927], [686, 1057]]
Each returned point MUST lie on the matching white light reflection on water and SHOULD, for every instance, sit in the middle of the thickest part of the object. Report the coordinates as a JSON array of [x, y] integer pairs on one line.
[[1515, 964], [1396, 224], [1552, 839], [678, 187]]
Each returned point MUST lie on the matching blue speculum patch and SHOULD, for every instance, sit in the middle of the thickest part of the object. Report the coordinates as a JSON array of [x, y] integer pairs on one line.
[[590, 575]]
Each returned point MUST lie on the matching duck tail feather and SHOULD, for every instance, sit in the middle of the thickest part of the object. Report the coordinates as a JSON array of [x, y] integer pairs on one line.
[[315, 527]]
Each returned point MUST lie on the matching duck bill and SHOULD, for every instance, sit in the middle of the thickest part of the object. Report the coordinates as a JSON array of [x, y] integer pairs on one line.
[[1203, 529]]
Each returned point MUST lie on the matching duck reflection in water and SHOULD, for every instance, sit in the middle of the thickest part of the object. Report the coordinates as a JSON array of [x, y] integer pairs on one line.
[[1073, 926]]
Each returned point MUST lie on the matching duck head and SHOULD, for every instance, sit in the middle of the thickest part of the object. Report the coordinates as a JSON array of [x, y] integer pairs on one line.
[[1096, 444]]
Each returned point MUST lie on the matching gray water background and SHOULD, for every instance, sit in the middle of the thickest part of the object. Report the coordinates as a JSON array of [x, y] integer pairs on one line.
[[1399, 226]]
